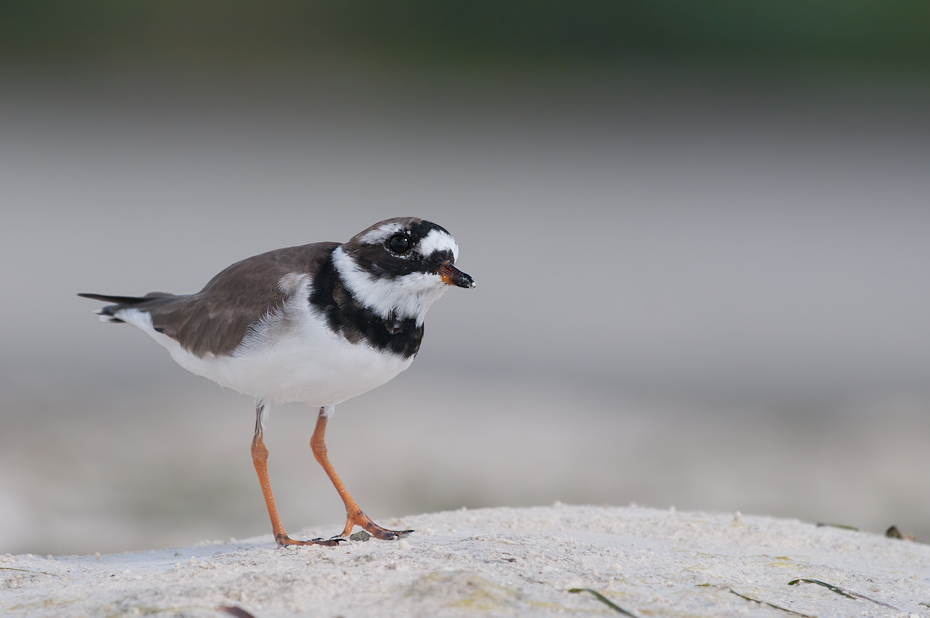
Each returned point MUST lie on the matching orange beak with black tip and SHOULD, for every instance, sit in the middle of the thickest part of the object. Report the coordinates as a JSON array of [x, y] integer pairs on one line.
[[453, 276]]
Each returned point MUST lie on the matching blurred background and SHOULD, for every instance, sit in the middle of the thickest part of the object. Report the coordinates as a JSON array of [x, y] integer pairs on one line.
[[701, 234]]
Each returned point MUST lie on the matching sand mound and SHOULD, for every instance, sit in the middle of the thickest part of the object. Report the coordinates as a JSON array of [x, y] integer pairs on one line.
[[507, 562]]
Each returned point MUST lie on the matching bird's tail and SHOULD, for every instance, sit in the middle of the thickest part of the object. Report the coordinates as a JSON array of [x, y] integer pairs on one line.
[[108, 313]]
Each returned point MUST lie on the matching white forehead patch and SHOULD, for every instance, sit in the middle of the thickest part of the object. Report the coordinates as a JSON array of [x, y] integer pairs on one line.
[[437, 240], [379, 235]]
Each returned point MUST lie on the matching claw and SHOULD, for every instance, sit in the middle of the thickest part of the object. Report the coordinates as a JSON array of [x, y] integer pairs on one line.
[[390, 535]]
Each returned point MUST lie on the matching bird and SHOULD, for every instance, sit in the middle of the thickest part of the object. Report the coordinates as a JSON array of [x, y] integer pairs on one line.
[[317, 324]]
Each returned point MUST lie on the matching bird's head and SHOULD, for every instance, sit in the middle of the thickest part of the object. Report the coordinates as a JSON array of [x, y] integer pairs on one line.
[[400, 266]]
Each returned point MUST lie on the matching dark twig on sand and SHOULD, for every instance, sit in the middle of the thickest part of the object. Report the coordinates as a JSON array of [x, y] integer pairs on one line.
[[784, 609], [846, 593], [29, 571], [600, 597]]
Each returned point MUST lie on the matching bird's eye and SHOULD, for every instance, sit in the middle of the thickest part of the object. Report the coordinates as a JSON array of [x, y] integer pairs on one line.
[[399, 243]]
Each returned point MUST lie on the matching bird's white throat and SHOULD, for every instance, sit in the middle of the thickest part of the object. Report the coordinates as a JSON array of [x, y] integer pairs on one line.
[[408, 296]]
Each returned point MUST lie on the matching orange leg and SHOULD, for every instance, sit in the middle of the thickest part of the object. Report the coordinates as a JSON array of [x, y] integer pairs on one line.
[[260, 460], [354, 515]]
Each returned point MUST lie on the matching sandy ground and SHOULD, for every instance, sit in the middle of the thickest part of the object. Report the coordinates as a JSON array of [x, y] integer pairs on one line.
[[497, 562]]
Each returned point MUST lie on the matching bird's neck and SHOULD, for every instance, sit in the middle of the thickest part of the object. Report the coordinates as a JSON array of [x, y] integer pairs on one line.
[[357, 318]]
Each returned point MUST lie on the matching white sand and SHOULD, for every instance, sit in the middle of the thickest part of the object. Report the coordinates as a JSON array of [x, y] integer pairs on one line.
[[513, 562]]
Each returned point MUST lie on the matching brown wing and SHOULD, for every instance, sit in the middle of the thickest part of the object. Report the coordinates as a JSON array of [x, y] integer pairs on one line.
[[217, 318]]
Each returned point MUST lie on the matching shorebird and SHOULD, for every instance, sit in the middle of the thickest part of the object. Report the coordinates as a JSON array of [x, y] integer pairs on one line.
[[317, 324]]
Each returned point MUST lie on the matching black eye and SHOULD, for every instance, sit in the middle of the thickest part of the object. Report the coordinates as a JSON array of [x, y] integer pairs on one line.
[[399, 243]]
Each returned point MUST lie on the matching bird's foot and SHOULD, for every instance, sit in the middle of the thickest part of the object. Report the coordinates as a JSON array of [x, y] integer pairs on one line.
[[362, 521], [384, 534], [283, 541]]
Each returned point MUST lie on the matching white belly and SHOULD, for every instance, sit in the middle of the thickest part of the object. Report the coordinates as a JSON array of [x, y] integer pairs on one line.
[[303, 361]]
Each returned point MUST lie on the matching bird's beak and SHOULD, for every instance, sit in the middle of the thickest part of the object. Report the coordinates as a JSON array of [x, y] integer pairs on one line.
[[453, 276]]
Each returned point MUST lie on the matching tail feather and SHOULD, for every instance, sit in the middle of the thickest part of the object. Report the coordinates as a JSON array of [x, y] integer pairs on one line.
[[128, 301], [121, 302]]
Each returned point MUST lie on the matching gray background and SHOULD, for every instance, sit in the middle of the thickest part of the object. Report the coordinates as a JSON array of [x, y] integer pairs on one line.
[[695, 288]]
